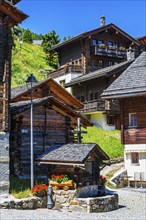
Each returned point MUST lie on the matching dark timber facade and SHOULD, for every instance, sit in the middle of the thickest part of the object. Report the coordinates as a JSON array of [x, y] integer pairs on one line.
[[9, 16], [89, 63]]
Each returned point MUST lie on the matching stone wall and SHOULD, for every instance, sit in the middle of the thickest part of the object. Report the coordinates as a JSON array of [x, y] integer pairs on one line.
[[65, 200], [4, 163]]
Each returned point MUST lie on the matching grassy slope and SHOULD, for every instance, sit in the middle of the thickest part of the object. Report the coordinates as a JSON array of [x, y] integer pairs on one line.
[[29, 59], [109, 141]]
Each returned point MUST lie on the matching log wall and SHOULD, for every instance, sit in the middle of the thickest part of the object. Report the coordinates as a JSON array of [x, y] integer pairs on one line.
[[49, 128], [5, 71], [135, 135]]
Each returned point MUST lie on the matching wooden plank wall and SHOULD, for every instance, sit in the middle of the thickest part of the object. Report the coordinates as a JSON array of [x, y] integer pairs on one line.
[[5, 71], [134, 135], [49, 128]]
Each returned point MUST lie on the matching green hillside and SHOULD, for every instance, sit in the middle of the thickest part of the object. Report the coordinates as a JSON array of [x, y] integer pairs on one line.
[[109, 141], [27, 59]]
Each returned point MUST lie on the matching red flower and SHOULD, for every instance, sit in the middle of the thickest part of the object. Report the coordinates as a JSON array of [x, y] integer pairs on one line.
[[39, 189]]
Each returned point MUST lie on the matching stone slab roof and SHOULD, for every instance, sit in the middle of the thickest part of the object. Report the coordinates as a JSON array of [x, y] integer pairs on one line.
[[92, 32], [131, 82], [99, 73], [71, 153], [22, 106]]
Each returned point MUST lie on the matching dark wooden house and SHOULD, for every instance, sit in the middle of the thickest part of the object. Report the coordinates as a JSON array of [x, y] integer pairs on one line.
[[89, 63], [98, 48], [130, 89], [88, 89], [9, 17], [54, 118]]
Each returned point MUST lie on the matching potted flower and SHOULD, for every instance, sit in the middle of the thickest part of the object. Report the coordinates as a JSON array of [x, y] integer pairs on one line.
[[39, 190], [102, 46], [102, 180], [112, 47], [123, 49], [101, 185], [60, 180]]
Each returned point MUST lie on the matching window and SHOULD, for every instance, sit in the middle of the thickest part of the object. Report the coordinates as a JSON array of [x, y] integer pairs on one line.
[[100, 42], [134, 157], [91, 96], [97, 95], [62, 82], [100, 63], [94, 42], [132, 119], [82, 99], [110, 43], [110, 119]]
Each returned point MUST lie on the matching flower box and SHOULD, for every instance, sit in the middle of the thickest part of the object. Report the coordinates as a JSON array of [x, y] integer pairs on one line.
[[111, 48], [69, 183], [102, 46]]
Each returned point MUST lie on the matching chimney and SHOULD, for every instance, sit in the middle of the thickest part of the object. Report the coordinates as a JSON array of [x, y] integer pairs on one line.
[[102, 21], [130, 53]]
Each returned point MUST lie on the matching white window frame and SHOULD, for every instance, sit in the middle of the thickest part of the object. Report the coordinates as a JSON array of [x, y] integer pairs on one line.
[[132, 123], [132, 158]]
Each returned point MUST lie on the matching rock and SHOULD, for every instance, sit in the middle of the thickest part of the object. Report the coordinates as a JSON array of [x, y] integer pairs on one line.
[[87, 191], [74, 202], [76, 208]]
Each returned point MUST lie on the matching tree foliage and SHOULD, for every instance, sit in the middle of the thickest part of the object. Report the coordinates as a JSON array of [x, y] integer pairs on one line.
[[27, 36], [49, 40]]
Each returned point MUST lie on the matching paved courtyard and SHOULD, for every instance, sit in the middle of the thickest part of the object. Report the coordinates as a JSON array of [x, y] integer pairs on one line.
[[132, 206]]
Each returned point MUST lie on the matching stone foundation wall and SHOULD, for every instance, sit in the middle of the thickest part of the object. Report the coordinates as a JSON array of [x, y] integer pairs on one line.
[[65, 200], [4, 163]]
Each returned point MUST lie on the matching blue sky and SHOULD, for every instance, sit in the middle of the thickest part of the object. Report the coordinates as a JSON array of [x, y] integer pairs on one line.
[[70, 18]]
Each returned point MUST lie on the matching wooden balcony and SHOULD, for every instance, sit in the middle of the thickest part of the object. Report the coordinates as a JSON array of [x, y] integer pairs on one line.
[[100, 105], [66, 69], [106, 51], [93, 106]]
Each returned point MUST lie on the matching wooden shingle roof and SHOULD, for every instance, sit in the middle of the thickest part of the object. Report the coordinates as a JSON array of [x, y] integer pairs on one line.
[[13, 15], [23, 92], [132, 82], [83, 35], [107, 71], [54, 103], [71, 153]]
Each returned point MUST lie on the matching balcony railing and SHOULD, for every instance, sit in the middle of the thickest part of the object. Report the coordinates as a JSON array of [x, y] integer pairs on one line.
[[66, 69], [100, 105], [92, 106], [107, 51]]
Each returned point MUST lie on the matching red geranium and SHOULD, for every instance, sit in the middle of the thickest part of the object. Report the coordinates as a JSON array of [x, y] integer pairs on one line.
[[59, 178], [102, 180], [39, 189]]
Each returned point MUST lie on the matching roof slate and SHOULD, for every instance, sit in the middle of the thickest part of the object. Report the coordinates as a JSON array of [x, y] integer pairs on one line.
[[99, 73], [88, 33], [132, 81], [70, 153]]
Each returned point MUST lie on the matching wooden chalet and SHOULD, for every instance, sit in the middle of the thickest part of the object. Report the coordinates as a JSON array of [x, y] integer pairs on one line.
[[94, 49], [89, 63], [54, 118], [9, 17], [130, 89], [88, 89], [80, 162]]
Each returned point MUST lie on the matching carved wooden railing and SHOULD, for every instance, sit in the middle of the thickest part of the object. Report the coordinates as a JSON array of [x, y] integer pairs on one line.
[[106, 51], [66, 69]]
